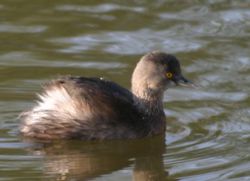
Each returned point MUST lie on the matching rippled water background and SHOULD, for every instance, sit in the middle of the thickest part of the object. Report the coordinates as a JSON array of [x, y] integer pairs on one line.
[[208, 132]]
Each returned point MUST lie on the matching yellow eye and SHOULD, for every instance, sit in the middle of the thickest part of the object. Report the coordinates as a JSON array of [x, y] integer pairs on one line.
[[169, 75]]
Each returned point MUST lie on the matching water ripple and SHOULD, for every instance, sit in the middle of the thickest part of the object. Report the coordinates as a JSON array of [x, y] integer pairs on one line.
[[11, 28], [136, 42], [29, 60], [102, 8], [188, 95]]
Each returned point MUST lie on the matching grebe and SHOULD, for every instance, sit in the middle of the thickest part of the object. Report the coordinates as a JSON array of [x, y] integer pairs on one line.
[[96, 109]]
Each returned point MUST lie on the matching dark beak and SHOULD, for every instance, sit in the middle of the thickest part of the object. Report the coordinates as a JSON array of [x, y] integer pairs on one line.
[[182, 81]]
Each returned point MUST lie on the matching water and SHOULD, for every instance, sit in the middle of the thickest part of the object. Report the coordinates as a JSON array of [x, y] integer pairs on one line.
[[208, 132]]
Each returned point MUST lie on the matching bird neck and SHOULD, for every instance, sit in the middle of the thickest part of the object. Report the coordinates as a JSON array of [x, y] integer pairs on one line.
[[148, 100]]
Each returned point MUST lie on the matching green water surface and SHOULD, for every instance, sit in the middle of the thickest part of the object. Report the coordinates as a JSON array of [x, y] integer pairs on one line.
[[208, 128]]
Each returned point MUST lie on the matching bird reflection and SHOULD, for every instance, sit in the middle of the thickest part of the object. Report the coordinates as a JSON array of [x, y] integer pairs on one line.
[[77, 160]]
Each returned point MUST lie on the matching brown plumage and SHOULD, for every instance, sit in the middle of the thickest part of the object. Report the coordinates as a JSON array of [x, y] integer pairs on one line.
[[92, 108]]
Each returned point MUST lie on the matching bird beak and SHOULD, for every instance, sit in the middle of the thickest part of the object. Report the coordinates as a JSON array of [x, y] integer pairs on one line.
[[182, 81]]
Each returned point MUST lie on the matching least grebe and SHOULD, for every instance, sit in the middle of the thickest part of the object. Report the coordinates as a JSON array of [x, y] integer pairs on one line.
[[96, 109]]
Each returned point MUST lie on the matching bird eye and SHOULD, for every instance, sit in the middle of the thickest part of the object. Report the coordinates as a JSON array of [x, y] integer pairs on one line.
[[169, 75]]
